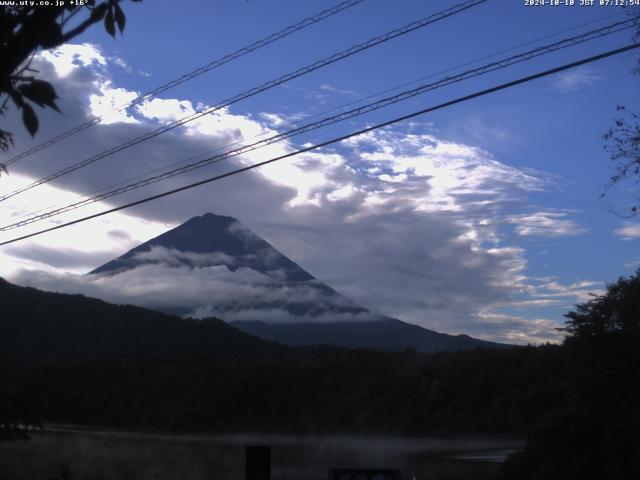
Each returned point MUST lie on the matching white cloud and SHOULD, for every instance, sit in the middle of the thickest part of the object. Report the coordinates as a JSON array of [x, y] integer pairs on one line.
[[577, 292], [545, 224], [69, 57], [273, 119], [166, 110], [575, 79], [173, 258], [107, 103], [518, 330], [210, 286], [120, 63], [342, 91], [77, 248], [455, 174], [629, 231]]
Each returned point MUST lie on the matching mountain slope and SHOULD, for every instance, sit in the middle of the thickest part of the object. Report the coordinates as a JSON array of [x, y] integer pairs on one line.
[[43, 326], [384, 334], [234, 274]]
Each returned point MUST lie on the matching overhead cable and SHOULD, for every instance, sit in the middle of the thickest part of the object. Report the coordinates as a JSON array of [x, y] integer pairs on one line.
[[458, 100], [254, 91]]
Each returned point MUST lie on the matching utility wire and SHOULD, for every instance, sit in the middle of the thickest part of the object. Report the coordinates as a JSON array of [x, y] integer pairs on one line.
[[491, 67], [458, 100], [341, 107], [471, 62], [193, 74], [338, 108], [254, 91]]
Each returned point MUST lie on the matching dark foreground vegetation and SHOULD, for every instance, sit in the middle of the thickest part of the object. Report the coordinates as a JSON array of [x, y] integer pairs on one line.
[[83, 361], [323, 390], [595, 434]]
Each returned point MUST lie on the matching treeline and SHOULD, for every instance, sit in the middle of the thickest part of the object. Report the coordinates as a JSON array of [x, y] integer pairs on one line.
[[595, 434], [314, 390]]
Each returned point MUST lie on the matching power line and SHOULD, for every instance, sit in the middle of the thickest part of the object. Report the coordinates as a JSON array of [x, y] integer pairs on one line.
[[465, 98], [491, 67], [193, 74], [254, 91], [348, 104], [340, 107], [465, 64]]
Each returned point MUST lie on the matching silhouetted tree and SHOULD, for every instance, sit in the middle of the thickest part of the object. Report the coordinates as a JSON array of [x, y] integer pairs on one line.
[[623, 145], [26, 29], [596, 435], [617, 313], [623, 140]]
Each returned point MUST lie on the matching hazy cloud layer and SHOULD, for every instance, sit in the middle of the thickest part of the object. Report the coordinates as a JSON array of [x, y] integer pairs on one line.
[[628, 231], [575, 79], [203, 291], [546, 224]]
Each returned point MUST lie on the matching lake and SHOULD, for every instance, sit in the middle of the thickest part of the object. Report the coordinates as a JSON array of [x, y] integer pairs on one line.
[[109, 455]]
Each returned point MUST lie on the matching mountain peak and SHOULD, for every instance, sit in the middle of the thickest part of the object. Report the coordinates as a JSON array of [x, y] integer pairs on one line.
[[217, 240], [211, 218]]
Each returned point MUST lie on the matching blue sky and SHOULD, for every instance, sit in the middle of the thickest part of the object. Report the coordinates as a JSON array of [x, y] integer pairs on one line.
[[482, 218]]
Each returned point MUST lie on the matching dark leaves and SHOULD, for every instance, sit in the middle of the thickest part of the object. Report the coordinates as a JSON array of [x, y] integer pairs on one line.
[[119, 16], [109, 23], [37, 91], [6, 140], [29, 119], [98, 13], [50, 35], [114, 17], [41, 93]]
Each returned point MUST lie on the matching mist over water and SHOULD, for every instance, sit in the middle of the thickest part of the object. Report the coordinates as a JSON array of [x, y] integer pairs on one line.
[[100, 455]]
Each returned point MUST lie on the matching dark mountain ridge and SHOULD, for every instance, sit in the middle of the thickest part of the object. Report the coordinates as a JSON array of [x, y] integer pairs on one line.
[[384, 334], [40, 326]]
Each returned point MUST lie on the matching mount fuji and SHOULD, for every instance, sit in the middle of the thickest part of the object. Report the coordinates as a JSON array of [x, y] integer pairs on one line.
[[214, 266]]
